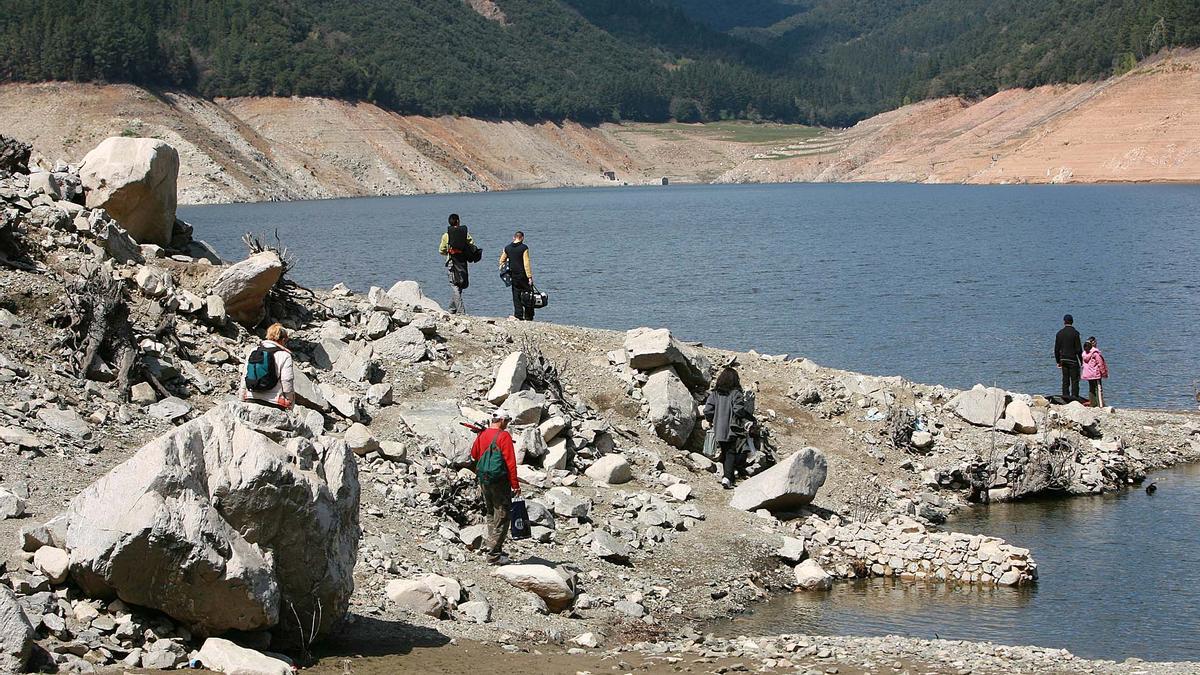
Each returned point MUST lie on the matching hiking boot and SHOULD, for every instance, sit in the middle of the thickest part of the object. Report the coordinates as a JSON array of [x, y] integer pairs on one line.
[[725, 483], [501, 559]]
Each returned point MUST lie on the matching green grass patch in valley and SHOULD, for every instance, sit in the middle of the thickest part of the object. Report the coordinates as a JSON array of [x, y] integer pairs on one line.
[[732, 131]]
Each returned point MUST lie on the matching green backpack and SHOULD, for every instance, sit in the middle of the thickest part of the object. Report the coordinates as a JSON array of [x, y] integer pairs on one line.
[[491, 467]]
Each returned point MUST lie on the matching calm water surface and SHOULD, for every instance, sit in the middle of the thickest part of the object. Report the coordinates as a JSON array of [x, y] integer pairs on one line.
[[1117, 578], [943, 284], [946, 284]]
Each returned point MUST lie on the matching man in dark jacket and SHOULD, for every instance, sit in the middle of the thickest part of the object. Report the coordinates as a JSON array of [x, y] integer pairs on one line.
[[497, 496], [516, 255], [456, 245], [1068, 354]]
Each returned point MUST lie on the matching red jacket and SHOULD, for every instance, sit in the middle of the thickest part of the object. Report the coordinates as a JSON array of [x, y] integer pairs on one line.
[[504, 441]]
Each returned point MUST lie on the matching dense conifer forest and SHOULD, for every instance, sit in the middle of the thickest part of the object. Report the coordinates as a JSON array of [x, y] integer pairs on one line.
[[829, 62]]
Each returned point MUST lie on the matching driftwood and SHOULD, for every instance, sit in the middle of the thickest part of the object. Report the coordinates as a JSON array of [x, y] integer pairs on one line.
[[286, 296], [541, 373], [97, 312], [13, 251]]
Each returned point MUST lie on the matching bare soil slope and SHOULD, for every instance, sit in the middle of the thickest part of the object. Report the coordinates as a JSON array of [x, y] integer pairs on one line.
[[264, 149], [1140, 126]]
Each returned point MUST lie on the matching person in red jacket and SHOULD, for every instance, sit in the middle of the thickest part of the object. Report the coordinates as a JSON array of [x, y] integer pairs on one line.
[[497, 496]]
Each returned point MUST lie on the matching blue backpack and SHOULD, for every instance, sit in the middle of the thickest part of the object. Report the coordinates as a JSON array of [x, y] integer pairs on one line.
[[261, 373]]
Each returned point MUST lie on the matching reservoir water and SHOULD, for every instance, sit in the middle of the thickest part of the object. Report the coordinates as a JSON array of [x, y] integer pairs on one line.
[[942, 284]]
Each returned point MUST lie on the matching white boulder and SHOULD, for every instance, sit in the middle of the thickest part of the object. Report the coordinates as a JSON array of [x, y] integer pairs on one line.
[[810, 577], [222, 656], [134, 180], [243, 287], [981, 406], [610, 469], [555, 588], [238, 535]]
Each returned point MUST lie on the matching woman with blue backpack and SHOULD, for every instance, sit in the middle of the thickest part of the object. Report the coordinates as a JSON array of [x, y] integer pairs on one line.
[[270, 379]]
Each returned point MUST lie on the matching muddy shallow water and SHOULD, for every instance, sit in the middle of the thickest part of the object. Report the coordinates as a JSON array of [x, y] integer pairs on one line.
[[1118, 579]]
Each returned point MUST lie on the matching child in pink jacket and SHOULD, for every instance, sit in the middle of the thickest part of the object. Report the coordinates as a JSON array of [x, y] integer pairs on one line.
[[1095, 369]]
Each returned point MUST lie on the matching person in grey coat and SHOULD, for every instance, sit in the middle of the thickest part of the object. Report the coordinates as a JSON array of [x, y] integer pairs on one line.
[[725, 410]]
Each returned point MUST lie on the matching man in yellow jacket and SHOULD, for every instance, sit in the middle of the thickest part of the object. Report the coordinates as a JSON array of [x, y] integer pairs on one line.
[[456, 246], [516, 255]]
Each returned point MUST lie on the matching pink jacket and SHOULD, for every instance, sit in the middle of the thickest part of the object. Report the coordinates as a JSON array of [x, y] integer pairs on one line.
[[1094, 366]]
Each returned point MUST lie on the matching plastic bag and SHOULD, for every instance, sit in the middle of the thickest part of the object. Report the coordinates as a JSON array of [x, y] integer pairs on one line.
[[520, 520], [711, 450]]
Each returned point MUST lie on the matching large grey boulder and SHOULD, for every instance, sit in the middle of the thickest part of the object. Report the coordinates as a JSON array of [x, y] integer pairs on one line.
[[556, 588], [217, 526], [222, 656], [243, 287], [134, 180], [791, 483], [980, 405], [510, 377], [648, 349], [672, 409], [16, 634]]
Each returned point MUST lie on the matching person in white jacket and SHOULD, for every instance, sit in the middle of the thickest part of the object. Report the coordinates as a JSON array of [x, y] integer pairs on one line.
[[283, 394]]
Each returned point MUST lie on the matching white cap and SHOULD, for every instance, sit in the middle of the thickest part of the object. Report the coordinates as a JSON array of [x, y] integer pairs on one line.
[[501, 415]]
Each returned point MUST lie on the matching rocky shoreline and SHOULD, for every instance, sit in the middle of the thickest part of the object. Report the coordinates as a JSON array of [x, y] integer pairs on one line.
[[119, 357]]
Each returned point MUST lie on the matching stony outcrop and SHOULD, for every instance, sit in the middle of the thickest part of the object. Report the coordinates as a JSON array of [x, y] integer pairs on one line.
[[134, 179], [786, 486], [236, 534], [243, 287], [902, 547], [672, 409]]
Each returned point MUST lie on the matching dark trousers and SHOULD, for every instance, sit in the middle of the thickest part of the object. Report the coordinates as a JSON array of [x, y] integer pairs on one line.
[[497, 506], [1070, 380], [1095, 398], [521, 309], [458, 275], [730, 460]]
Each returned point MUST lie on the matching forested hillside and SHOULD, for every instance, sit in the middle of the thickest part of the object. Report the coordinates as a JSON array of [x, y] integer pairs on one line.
[[818, 61]]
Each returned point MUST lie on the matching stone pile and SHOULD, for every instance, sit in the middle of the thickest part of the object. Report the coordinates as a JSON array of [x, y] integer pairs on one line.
[[663, 374], [906, 549]]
